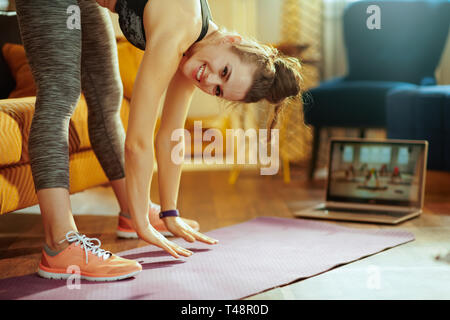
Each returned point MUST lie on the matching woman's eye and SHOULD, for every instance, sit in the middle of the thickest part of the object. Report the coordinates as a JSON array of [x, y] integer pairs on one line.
[[225, 71], [217, 91]]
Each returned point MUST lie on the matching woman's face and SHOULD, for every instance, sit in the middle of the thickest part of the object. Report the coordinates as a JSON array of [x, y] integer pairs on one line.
[[216, 70]]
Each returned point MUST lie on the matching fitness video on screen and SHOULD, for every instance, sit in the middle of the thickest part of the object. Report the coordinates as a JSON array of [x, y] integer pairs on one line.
[[376, 171]]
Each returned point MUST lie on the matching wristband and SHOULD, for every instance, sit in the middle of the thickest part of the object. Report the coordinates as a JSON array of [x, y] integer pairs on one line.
[[169, 213]]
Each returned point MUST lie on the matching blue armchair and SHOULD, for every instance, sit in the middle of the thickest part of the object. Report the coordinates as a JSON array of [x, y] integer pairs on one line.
[[404, 52], [422, 113]]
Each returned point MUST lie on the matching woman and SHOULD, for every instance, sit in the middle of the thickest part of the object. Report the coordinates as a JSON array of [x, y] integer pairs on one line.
[[65, 60]]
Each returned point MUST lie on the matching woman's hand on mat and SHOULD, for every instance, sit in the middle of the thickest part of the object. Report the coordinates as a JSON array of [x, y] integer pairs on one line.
[[179, 228], [152, 236]]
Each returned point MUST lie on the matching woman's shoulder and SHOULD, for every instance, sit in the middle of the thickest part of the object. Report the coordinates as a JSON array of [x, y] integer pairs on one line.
[[175, 17]]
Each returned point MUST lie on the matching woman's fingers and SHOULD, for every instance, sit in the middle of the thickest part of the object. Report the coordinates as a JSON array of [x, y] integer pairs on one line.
[[182, 233], [181, 229], [203, 238], [186, 235], [180, 250], [191, 235], [163, 245], [172, 248]]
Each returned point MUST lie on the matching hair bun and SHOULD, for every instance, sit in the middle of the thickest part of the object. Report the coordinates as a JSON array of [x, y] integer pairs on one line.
[[285, 83], [274, 54]]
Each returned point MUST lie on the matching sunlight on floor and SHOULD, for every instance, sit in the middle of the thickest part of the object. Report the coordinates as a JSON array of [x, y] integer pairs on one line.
[[95, 201], [101, 200]]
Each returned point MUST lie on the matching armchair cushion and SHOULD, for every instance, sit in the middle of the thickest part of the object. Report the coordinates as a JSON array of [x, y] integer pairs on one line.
[[422, 113], [343, 103], [408, 45]]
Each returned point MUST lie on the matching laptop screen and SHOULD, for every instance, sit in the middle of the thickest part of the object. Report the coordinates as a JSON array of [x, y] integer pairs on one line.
[[376, 172]]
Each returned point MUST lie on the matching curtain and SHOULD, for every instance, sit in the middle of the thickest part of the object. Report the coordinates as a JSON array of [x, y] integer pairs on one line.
[[443, 70], [334, 60]]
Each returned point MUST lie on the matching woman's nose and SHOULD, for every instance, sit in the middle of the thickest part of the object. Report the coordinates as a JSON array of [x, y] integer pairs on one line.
[[213, 79]]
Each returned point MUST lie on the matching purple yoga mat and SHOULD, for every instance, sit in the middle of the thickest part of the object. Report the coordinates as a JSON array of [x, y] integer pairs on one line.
[[251, 257]]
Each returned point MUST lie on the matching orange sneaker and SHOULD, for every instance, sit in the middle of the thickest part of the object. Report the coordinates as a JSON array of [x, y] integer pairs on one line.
[[125, 228], [93, 263]]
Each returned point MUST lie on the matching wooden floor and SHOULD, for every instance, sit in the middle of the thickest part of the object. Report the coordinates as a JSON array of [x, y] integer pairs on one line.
[[405, 272]]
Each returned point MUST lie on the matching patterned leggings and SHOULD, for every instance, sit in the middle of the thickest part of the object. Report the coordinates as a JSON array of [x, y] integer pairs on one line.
[[65, 60]]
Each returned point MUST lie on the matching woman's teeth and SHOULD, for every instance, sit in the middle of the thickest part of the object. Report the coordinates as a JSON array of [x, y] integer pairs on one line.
[[200, 72]]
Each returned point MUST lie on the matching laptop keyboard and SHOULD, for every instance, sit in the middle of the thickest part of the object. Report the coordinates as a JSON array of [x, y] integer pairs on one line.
[[367, 211]]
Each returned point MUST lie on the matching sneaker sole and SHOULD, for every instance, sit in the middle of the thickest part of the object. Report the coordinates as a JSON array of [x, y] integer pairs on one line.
[[63, 276]]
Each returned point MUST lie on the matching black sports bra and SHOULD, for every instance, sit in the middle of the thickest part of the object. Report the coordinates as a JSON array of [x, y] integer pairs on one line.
[[132, 23]]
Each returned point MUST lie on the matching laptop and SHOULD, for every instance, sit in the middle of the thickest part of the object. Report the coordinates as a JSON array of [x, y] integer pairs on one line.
[[380, 181]]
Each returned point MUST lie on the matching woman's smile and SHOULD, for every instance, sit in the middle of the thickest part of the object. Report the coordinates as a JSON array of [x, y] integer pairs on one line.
[[199, 73]]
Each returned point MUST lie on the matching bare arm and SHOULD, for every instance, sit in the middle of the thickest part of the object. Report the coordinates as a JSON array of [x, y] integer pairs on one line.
[[176, 106], [159, 64], [163, 53]]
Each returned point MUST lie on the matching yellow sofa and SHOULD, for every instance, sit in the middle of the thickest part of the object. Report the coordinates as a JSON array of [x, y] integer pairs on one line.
[[16, 183]]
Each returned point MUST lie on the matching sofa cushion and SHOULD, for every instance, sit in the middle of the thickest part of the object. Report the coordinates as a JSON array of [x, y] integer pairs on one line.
[[11, 140], [16, 59], [17, 189], [15, 122], [17, 116], [130, 58], [14, 54]]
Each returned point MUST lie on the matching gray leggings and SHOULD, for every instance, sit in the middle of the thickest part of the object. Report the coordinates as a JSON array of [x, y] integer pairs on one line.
[[65, 61]]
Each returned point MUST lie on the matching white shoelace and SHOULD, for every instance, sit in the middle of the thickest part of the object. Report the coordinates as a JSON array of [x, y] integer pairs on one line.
[[87, 244]]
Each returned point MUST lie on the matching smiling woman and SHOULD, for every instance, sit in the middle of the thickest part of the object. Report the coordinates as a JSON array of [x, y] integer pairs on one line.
[[176, 61], [216, 70], [199, 55]]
